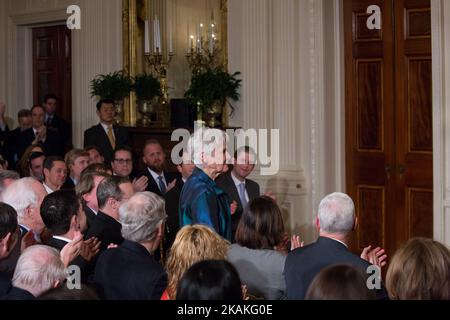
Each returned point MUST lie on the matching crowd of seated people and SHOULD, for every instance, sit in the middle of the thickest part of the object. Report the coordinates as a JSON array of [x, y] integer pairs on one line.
[[204, 232]]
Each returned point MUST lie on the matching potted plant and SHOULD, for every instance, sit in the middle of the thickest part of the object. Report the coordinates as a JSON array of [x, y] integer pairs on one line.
[[147, 88], [116, 86], [211, 90]]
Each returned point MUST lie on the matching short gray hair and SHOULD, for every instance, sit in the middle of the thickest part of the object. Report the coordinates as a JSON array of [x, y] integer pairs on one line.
[[205, 140], [336, 213], [20, 195], [109, 188], [7, 174], [38, 269], [141, 216]]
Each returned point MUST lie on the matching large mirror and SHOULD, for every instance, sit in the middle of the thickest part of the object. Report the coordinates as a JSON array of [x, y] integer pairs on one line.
[[175, 25]]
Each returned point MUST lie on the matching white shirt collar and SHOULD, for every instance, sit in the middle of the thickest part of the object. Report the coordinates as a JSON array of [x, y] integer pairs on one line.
[[47, 188], [155, 175], [36, 236], [62, 238], [92, 210], [75, 182], [237, 182], [106, 126], [24, 226], [340, 242]]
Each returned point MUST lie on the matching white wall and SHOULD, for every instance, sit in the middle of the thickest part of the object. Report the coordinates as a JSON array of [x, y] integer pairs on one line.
[[96, 48], [440, 19]]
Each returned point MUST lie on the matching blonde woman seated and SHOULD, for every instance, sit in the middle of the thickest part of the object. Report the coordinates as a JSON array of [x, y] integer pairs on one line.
[[192, 244], [419, 270], [260, 250]]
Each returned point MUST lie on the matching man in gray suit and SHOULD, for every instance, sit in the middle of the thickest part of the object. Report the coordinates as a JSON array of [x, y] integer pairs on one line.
[[235, 183]]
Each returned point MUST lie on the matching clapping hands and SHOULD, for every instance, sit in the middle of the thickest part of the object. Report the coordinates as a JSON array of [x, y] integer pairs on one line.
[[376, 256]]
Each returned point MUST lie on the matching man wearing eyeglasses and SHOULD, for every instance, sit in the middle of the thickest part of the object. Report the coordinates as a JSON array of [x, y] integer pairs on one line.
[[122, 165]]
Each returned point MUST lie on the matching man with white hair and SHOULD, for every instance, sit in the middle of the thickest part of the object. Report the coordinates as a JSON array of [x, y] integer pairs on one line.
[[130, 271], [38, 270], [25, 196], [335, 220], [201, 200]]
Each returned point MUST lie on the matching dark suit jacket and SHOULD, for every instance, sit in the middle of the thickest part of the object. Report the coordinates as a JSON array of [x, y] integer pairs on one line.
[[90, 216], [60, 125], [172, 198], [105, 229], [129, 272], [153, 185], [5, 283], [303, 264], [53, 145], [86, 269], [4, 134], [18, 294], [96, 136], [226, 183], [68, 184], [12, 147]]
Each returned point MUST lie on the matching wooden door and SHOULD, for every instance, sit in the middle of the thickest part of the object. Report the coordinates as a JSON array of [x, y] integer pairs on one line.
[[388, 121], [52, 67]]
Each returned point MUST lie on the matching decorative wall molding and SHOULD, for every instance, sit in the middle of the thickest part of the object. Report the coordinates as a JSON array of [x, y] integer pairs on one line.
[[440, 15], [39, 17], [97, 47]]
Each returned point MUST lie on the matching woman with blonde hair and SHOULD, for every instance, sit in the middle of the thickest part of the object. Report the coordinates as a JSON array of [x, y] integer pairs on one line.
[[419, 270], [192, 244]]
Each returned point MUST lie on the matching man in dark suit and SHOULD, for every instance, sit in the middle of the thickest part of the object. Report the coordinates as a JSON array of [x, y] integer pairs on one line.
[[4, 131], [172, 198], [105, 135], [11, 146], [130, 271], [63, 216], [111, 192], [235, 183], [53, 121], [122, 165], [87, 191], [159, 180], [39, 133], [335, 220]]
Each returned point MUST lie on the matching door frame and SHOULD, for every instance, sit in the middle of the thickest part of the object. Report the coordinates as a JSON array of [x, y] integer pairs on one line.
[[20, 84], [441, 226]]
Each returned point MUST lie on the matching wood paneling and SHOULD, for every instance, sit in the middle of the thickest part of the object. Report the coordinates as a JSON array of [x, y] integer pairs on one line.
[[389, 170], [369, 103], [52, 67], [362, 33], [371, 215], [418, 23], [420, 211], [420, 117]]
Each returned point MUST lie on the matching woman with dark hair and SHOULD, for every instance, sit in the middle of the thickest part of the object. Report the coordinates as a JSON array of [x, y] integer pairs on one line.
[[260, 250], [210, 280], [340, 282]]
